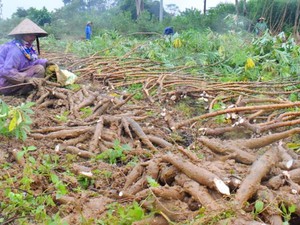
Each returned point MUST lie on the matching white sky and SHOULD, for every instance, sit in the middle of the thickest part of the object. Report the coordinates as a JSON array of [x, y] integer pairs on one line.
[[198, 4], [10, 6]]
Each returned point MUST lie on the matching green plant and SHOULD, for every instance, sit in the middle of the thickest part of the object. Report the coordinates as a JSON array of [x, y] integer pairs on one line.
[[15, 121], [24, 151], [25, 204], [184, 108], [287, 212], [61, 188], [114, 154], [21, 201], [87, 111], [63, 117], [258, 208], [295, 146], [218, 216], [85, 181], [137, 89], [122, 215], [152, 182], [73, 87], [216, 107]]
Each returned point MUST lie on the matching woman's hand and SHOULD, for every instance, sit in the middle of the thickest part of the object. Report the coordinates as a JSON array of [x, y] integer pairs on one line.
[[49, 63]]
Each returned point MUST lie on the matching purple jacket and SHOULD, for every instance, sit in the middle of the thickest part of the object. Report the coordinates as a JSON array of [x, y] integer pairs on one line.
[[12, 61]]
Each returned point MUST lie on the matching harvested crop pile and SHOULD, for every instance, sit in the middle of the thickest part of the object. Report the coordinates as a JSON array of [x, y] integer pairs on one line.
[[183, 149]]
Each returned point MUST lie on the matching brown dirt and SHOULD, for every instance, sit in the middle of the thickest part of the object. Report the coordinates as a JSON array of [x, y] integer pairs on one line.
[[175, 137]]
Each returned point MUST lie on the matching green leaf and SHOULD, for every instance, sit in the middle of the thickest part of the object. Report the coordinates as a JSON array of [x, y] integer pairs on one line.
[[152, 182], [13, 123], [31, 148], [259, 205], [20, 154], [29, 104], [32, 160], [293, 146], [292, 208], [19, 117], [293, 97], [54, 178], [283, 208]]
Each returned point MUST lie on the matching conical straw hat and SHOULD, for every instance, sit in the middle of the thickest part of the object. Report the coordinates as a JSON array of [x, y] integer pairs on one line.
[[28, 27]]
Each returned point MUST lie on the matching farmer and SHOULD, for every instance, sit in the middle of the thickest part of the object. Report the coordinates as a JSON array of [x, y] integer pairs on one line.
[[260, 26], [169, 31], [88, 30], [20, 67]]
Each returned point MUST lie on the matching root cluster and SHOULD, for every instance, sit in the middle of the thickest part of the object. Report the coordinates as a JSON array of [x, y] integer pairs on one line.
[[229, 150]]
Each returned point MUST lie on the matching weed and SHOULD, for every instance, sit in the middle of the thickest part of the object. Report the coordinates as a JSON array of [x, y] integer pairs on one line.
[[258, 208], [87, 111], [137, 90], [185, 109], [122, 215], [287, 212], [219, 106], [22, 202], [216, 218], [15, 121], [115, 154], [59, 185], [295, 146], [73, 87], [63, 117], [85, 181], [152, 182]]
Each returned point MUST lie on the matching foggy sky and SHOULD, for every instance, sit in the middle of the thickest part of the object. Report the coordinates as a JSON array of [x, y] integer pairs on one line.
[[10, 6]]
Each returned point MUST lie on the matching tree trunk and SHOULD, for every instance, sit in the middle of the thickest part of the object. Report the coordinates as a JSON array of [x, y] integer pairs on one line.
[[161, 11], [204, 7], [139, 7], [237, 7], [281, 22], [245, 8], [296, 23]]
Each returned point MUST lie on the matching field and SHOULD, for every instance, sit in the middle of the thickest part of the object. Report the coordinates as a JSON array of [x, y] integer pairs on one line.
[[193, 129]]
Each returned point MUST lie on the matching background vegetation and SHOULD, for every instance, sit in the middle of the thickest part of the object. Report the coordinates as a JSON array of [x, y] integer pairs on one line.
[[121, 16], [217, 45]]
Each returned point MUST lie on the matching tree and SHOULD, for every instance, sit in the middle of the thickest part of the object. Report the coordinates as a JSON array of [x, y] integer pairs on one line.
[[296, 23], [172, 9], [66, 2], [41, 17], [244, 8], [237, 7], [98, 5], [139, 7], [21, 12], [161, 10], [280, 15]]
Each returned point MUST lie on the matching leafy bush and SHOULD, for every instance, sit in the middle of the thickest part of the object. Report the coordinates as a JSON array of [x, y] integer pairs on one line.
[[15, 121], [23, 204]]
